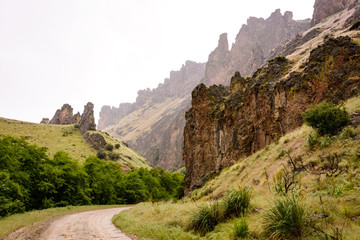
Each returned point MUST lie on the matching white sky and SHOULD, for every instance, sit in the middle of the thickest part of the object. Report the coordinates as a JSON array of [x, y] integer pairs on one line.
[[70, 51]]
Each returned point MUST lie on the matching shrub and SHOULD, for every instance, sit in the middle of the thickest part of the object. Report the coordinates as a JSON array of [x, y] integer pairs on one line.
[[241, 229], [325, 141], [101, 154], [285, 219], [206, 218], [117, 146], [113, 156], [236, 202], [326, 118], [109, 147]]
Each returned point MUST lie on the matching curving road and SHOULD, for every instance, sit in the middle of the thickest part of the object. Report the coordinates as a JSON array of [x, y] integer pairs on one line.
[[86, 225]]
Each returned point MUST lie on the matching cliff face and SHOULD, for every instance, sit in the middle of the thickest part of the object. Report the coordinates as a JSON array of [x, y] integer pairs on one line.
[[153, 125], [325, 8], [225, 124], [252, 47]]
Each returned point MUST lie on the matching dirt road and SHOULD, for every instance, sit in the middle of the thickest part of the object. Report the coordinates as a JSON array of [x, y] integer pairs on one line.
[[86, 225]]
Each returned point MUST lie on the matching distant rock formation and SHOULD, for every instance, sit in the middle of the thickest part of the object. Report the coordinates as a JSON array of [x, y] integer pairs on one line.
[[157, 137], [254, 43], [45, 121], [87, 120], [225, 124], [325, 8], [64, 116]]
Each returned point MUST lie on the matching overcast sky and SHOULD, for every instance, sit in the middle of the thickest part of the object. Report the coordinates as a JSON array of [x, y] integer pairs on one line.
[[72, 51]]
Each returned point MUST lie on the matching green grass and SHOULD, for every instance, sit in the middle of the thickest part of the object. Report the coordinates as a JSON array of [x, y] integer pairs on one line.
[[67, 138], [16, 221]]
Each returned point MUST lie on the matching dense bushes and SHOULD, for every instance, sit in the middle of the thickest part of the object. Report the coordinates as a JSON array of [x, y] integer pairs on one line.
[[326, 118], [29, 179]]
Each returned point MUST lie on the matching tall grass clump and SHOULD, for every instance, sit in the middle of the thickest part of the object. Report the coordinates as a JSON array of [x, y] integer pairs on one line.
[[206, 218], [285, 219], [236, 202], [241, 229]]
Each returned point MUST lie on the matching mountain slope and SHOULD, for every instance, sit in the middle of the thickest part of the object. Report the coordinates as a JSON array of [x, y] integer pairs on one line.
[[67, 138]]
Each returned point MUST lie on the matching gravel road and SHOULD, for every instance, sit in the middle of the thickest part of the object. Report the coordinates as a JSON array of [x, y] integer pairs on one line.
[[86, 225]]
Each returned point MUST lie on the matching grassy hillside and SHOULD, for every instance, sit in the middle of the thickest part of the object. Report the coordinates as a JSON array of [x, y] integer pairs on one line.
[[331, 203], [66, 138]]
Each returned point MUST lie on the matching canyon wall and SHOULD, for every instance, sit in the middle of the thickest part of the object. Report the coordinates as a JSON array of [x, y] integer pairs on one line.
[[227, 123]]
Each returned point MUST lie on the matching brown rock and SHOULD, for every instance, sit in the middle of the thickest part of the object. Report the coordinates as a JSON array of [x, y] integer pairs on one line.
[[224, 125], [63, 116], [87, 120]]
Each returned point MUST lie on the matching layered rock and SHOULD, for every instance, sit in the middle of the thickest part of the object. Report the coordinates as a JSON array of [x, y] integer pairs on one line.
[[253, 46], [45, 121], [225, 124], [64, 116], [325, 8]]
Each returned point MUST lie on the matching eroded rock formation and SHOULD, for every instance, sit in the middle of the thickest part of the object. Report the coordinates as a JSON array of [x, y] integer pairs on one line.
[[87, 120], [325, 8], [225, 124], [253, 46], [64, 116]]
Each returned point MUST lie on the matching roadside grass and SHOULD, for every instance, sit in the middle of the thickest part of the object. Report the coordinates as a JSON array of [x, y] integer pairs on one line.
[[16, 221]]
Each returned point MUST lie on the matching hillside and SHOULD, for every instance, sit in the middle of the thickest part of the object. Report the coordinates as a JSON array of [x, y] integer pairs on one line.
[[67, 138], [331, 203]]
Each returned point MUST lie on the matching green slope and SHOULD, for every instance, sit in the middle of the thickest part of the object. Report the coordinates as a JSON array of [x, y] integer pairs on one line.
[[69, 139]]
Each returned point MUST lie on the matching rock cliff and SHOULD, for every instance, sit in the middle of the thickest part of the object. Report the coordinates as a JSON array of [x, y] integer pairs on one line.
[[325, 8], [225, 124], [253, 46]]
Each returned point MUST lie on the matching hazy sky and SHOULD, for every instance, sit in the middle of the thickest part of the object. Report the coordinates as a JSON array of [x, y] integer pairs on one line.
[[72, 51]]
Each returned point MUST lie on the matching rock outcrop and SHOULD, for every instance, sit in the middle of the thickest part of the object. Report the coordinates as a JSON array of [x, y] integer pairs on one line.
[[64, 116], [325, 8], [45, 121], [87, 120], [254, 43], [225, 124]]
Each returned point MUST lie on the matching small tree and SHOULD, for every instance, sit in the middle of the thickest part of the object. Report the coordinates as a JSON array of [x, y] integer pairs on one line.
[[326, 118]]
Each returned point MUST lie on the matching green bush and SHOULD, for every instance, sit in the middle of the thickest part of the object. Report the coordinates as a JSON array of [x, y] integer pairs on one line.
[[206, 218], [285, 219], [236, 202], [117, 146], [109, 147], [101, 154], [241, 229], [326, 118]]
